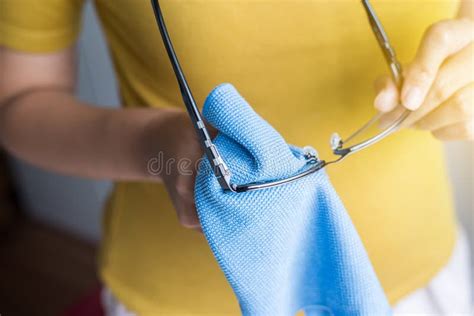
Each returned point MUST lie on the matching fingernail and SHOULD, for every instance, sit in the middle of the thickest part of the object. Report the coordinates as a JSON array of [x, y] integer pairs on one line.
[[383, 101], [413, 98]]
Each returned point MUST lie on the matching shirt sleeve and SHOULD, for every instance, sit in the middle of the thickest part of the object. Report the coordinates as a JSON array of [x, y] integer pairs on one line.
[[39, 25]]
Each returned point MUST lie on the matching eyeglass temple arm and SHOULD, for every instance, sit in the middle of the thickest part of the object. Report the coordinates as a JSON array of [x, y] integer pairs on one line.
[[396, 72], [218, 165], [384, 43]]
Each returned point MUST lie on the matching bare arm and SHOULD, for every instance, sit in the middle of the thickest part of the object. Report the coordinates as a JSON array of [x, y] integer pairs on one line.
[[42, 122]]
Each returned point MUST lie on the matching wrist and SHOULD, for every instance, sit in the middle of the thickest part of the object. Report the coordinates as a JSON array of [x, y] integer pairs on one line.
[[156, 141]]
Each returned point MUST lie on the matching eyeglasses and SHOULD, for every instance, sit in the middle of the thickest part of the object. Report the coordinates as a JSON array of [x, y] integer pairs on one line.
[[313, 163]]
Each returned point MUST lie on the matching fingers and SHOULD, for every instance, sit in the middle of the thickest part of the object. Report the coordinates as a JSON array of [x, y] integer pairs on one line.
[[457, 109], [183, 199], [459, 131], [187, 214], [387, 94], [455, 74], [442, 40]]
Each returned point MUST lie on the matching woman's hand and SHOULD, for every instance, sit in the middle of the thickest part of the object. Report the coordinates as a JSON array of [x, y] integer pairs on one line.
[[438, 85], [177, 161]]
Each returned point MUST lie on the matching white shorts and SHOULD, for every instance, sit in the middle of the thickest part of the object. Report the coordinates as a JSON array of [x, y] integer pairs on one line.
[[448, 293]]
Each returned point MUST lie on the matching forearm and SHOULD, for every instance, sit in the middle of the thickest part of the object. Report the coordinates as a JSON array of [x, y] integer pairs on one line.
[[52, 129]]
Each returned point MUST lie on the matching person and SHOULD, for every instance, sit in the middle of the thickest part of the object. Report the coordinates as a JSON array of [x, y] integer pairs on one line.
[[307, 68]]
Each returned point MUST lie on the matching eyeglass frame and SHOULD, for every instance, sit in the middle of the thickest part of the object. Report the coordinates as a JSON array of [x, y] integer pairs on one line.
[[218, 165]]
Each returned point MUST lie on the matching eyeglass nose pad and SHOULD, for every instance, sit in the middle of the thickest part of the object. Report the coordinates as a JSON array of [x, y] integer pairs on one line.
[[335, 141], [310, 153]]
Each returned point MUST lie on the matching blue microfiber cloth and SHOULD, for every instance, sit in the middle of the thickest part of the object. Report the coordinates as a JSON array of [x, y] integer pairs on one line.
[[285, 248]]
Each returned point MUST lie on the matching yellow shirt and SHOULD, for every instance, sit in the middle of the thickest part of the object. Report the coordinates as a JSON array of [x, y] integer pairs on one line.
[[305, 66]]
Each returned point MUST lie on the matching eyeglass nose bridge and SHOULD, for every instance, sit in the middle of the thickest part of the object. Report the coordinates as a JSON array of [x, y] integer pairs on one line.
[[313, 163]]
